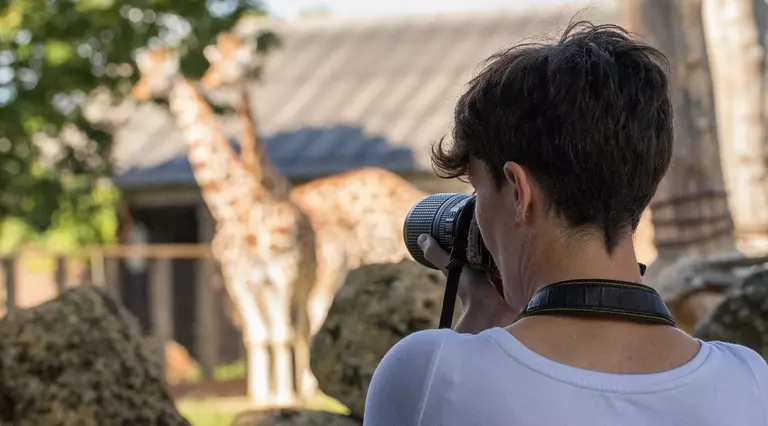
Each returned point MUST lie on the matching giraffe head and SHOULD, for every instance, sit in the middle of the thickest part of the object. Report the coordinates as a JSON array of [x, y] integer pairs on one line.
[[158, 67], [231, 59]]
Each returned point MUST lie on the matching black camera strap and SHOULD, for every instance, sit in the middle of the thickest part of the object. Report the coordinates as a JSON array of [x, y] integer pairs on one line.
[[600, 298], [590, 297], [457, 262]]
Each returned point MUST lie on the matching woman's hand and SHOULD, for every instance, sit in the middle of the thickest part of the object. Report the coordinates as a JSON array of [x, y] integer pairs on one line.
[[482, 305]]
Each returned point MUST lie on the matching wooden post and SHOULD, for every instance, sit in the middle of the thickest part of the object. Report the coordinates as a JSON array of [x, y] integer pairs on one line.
[[9, 267], [87, 274], [207, 324], [96, 265], [161, 303], [208, 306], [61, 274], [111, 274]]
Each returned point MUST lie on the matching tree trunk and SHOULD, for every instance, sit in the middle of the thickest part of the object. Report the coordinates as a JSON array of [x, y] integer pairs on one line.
[[762, 21], [691, 216], [690, 210], [736, 46]]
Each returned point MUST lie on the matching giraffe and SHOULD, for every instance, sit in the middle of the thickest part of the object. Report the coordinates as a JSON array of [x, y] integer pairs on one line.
[[264, 244], [358, 220], [357, 216], [230, 50], [252, 150]]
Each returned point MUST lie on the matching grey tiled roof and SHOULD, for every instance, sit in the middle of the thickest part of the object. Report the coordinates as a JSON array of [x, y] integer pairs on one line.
[[341, 94]]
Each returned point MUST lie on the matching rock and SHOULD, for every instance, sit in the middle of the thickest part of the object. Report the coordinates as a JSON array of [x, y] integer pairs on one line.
[[376, 307], [676, 276], [292, 417], [690, 286], [179, 364], [741, 318], [80, 359]]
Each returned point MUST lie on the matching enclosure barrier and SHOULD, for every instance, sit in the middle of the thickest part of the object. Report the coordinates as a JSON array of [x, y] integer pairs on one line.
[[103, 271]]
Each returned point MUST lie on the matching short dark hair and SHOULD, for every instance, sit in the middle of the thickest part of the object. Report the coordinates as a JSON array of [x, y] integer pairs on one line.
[[589, 115]]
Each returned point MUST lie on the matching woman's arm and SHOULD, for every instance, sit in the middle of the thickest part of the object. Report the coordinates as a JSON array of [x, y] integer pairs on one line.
[[482, 303], [401, 383], [474, 320]]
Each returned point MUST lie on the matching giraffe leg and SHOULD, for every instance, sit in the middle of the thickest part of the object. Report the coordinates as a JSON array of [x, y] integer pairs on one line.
[[331, 274], [281, 336], [258, 371], [306, 382], [244, 289], [301, 342], [256, 344]]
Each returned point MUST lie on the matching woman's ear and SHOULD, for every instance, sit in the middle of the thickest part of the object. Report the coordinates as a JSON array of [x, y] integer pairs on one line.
[[519, 182]]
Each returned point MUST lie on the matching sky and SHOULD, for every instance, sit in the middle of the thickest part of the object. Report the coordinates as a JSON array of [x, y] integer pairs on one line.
[[290, 8]]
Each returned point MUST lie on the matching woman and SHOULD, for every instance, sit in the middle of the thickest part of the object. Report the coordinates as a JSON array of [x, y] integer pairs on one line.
[[565, 145]]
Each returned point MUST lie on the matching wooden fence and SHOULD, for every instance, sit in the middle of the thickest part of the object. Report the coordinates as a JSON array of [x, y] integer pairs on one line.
[[104, 270]]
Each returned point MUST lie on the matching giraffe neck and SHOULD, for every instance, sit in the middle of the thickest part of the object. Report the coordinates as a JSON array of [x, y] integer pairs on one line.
[[228, 188], [250, 144], [253, 153]]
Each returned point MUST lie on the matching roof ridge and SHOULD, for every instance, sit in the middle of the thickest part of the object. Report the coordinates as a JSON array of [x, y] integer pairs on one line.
[[355, 92], [247, 24]]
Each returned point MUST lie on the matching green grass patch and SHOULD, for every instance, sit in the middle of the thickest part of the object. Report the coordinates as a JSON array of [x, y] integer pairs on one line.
[[235, 370], [221, 411], [221, 372], [212, 411]]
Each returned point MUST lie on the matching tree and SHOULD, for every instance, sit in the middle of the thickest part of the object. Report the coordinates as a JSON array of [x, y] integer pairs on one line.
[[736, 42], [690, 211], [691, 217], [53, 55]]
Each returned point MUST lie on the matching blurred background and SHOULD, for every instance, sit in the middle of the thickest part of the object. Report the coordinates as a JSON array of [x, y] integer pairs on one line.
[[340, 100]]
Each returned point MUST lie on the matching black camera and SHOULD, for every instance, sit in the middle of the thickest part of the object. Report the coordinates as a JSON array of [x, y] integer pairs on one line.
[[450, 219], [438, 215]]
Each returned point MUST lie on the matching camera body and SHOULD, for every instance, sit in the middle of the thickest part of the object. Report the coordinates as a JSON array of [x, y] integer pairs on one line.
[[437, 215]]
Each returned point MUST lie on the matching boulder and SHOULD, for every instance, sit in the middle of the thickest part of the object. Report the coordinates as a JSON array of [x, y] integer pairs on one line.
[[376, 307], [741, 318], [293, 417], [80, 359], [690, 285], [179, 364]]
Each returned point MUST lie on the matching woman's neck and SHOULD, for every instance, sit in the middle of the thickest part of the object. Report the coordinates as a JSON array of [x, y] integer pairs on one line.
[[605, 345], [580, 258]]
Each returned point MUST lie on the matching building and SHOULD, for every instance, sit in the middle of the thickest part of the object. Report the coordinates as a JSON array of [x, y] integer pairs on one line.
[[338, 95]]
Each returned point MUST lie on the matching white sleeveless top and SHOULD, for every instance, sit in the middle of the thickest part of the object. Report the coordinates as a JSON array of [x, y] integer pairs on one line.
[[440, 377]]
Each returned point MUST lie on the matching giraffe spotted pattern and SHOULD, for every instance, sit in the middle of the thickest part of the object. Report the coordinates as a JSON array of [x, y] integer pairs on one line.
[[357, 217], [263, 242]]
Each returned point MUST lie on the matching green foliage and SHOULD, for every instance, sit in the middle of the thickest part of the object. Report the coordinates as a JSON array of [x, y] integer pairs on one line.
[[53, 54], [13, 232], [90, 219]]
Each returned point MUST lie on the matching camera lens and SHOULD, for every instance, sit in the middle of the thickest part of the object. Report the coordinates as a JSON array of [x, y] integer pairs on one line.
[[432, 215]]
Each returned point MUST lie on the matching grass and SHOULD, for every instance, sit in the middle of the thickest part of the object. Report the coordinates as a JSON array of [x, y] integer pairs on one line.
[[211, 412], [235, 370], [221, 411]]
